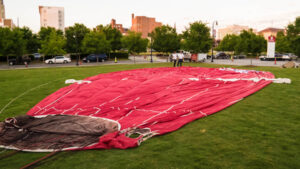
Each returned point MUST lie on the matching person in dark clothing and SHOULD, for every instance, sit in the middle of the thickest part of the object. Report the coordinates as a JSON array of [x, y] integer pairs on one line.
[[174, 58], [180, 57]]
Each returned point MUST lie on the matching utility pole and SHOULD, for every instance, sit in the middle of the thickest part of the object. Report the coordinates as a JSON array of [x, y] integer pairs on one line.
[[213, 40]]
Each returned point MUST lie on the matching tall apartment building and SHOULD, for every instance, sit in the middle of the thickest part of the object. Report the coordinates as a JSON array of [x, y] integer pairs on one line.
[[144, 25], [2, 10], [232, 29], [3, 21], [52, 17], [270, 31]]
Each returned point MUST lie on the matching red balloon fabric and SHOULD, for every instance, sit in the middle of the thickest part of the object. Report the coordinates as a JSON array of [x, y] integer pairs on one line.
[[152, 101]]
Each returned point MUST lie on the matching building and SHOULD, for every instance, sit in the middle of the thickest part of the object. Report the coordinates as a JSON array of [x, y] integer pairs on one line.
[[4, 22], [269, 31], [113, 24], [232, 29], [1, 22], [9, 23], [144, 24], [52, 17], [2, 10]]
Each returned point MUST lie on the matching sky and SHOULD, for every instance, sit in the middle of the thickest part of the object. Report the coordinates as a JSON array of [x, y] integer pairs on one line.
[[258, 14]]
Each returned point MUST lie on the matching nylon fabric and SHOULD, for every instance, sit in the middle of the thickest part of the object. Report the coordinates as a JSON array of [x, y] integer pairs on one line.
[[160, 100]]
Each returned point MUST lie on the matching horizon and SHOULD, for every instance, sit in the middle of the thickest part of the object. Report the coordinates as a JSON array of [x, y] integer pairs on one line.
[[254, 14]]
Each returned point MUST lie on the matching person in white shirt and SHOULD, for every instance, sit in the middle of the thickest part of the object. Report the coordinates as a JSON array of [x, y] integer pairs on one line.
[[174, 58], [180, 59]]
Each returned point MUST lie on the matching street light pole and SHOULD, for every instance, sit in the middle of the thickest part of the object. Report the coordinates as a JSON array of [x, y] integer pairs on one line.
[[150, 35], [213, 40], [77, 59]]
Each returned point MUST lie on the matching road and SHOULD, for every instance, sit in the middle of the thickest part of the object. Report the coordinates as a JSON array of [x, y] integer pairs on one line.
[[142, 59], [244, 62]]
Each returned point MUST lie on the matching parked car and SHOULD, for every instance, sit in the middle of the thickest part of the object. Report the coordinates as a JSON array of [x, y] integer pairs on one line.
[[278, 57], [21, 60], [36, 55], [289, 56], [221, 55], [58, 59], [95, 58], [239, 56]]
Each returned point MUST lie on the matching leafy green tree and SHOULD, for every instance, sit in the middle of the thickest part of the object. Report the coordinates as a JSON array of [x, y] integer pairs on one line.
[[53, 45], [197, 38], [293, 35], [283, 45], [5, 42], [18, 47], [45, 32], [32, 41], [75, 35], [113, 35], [134, 42], [250, 43], [228, 43], [165, 39], [95, 42]]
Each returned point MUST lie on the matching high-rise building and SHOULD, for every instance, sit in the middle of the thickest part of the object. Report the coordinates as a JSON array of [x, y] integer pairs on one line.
[[52, 17], [4, 22], [144, 24], [232, 29], [2, 10]]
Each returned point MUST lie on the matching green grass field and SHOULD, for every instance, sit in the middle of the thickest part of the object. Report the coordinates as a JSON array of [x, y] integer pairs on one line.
[[261, 131]]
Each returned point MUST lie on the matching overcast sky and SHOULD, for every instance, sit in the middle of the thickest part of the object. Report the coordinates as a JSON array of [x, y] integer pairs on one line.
[[257, 14]]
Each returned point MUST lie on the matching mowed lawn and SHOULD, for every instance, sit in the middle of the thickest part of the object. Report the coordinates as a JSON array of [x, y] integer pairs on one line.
[[261, 131]]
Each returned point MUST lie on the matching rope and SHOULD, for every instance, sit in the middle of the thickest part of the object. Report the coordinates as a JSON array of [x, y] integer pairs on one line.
[[21, 96], [38, 160], [9, 103]]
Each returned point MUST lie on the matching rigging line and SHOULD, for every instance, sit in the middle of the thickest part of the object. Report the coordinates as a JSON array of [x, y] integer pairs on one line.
[[39, 160], [14, 99]]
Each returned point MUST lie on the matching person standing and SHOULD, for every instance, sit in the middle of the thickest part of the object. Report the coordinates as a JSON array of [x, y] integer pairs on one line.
[[174, 58], [180, 59]]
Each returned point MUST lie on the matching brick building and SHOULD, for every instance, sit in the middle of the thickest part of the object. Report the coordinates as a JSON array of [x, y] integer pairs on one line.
[[113, 24], [269, 31], [144, 25]]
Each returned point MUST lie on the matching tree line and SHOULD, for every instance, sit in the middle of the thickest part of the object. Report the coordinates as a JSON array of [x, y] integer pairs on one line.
[[250, 43], [78, 39]]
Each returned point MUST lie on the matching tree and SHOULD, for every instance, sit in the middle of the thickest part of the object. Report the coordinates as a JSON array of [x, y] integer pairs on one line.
[[228, 43], [45, 32], [75, 35], [165, 39], [293, 36], [197, 38], [113, 35], [283, 45], [134, 42], [250, 43], [18, 47], [5, 42], [32, 41], [95, 42], [53, 45]]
